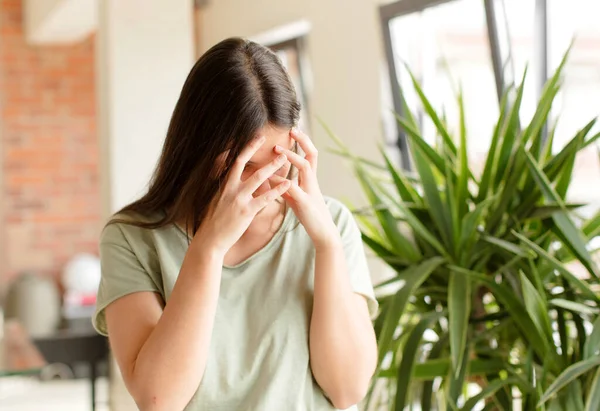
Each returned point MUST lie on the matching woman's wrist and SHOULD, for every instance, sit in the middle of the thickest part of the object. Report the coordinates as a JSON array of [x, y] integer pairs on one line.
[[328, 240], [205, 247]]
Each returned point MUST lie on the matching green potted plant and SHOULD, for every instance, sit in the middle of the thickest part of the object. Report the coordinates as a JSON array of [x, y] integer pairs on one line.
[[484, 310]]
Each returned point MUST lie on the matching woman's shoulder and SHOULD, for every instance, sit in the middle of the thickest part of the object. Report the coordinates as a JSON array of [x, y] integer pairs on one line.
[[339, 211], [129, 228]]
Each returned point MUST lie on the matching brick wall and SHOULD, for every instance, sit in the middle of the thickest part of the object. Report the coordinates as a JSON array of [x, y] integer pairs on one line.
[[50, 189]]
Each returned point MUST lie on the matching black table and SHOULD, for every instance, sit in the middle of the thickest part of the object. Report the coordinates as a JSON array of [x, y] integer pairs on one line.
[[76, 345]]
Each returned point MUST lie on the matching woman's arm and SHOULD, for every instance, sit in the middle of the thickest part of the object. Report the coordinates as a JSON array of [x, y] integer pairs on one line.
[[343, 349], [162, 353]]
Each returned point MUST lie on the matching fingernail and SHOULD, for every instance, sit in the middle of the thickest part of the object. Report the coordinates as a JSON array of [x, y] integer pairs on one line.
[[278, 149], [281, 157]]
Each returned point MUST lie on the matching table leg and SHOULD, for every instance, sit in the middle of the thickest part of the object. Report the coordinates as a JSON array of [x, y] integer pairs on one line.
[[93, 374]]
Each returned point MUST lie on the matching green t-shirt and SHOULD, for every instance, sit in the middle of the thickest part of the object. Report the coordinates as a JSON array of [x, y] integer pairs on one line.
[[259, 352]]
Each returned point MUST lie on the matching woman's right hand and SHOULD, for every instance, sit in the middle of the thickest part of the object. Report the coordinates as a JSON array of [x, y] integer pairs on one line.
[[231, 213]]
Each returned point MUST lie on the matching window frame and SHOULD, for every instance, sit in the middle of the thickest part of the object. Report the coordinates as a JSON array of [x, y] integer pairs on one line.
[[400, 8], [299, 45]]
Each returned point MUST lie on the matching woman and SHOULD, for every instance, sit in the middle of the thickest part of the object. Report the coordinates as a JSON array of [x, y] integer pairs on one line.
[[229, 286]]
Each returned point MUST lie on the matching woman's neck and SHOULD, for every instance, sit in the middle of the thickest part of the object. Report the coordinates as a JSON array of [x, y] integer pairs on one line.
[[260, 232], [268, 220]]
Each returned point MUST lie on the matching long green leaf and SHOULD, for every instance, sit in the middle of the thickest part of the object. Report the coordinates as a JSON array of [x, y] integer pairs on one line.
[[562, 333], [591, 140], [409, 357], [593, 399], [565, 176], [508, 246], [592, 345], [432, 114], [506, 296], [509, 138], [574, 397], [388, 223], [555, 405], [369, 228], [581, 337], [508, 190], [575, 282], [406, 192], [540, 117], [457, 381], [562, 170], [451, 202], [549, 143], [407, 113], [575, 241], [591, 228], [427, 391], [439, 212], [536, 307], [546, 211], [469, 226], [537, 280], [489, 169], [362, 160], [462, 186], [417, 226], [378, 248], [573, 306], [386, 219], [489, 390], [459, 310], [568, 376], [553, 167], [413, 278], [417, 139], [534, 131], [431, 369]]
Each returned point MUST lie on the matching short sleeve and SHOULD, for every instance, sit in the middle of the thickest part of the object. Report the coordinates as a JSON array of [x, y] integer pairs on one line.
[[122, 273], [355, 253]]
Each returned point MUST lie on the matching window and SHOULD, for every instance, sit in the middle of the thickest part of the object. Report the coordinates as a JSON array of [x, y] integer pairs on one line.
[[446, 46], [290, 53], [516, 30], [486, 45], [579, 100]]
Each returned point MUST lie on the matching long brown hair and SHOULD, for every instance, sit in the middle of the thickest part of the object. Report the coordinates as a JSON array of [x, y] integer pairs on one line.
[[236, 88]]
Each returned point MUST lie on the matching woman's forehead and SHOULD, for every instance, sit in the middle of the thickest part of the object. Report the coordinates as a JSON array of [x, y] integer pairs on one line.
[[274, 136]]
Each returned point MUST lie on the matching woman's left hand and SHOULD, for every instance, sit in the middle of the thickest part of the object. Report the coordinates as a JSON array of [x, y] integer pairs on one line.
[[305, 197]]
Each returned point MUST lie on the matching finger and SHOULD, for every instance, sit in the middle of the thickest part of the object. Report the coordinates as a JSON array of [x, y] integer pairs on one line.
[[307, 146], [295, 193], [261, 175], [246, 155], [277, 179], [260, 202], [301, 163]]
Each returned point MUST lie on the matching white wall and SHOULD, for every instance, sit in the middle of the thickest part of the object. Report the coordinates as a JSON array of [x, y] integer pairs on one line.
[[59, 21], [144, 53], [145, 50], [345, 54]]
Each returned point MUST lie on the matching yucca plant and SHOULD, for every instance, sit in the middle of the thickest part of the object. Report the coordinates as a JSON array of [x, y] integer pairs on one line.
[[484, 311]]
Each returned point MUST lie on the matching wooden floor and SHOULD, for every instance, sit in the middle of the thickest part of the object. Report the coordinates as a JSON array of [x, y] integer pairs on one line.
[[26, 394]]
